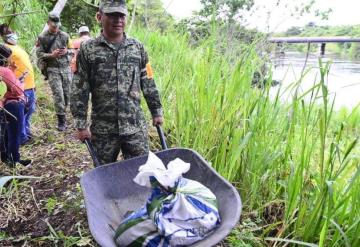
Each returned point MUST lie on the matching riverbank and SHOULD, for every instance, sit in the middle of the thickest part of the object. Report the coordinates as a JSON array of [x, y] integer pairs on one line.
[[295, 164]]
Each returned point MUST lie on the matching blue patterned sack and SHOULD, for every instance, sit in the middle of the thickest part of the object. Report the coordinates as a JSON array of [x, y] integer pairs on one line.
[[176, 215]]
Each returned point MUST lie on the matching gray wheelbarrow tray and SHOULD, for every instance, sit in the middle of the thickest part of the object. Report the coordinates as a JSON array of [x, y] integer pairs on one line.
[[110, 194]]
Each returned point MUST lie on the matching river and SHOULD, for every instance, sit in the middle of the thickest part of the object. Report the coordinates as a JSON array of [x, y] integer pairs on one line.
[[343, 81]]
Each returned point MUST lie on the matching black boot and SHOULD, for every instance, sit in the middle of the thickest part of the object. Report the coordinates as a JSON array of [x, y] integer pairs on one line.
[[25, 162], [61, 123]]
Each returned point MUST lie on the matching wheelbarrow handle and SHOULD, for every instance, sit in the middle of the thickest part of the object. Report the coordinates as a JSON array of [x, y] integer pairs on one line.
[[92, 152], [162, 137]]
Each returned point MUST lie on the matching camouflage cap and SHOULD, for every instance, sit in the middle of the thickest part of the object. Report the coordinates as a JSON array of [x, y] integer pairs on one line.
[[54, 17], [113, 6]]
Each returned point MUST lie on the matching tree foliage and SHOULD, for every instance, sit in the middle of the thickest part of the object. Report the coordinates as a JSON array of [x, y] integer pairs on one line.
[[227, 9], [152, 15], [27, 26], [75, 14], [148, 13]]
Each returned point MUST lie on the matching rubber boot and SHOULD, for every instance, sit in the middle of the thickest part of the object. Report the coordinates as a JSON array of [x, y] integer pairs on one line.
[[61, 123], [25, 162]]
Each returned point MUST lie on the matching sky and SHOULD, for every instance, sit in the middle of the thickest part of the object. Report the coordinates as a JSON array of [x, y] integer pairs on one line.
[[344, 12]]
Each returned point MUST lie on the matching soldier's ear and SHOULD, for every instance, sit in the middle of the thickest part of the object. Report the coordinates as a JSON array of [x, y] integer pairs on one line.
[[98, 17]]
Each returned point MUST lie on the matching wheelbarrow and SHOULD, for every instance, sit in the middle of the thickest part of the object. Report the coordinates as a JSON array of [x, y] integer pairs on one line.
[[110, 193]]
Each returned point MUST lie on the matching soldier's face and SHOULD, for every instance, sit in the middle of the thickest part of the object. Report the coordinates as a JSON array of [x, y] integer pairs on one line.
[[52, 27], [113, 24]]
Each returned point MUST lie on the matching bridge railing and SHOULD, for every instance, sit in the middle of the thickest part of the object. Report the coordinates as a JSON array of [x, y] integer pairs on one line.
[[308, 40]]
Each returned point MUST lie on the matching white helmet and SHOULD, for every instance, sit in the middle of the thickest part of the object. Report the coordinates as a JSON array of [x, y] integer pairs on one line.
[[84, 29]]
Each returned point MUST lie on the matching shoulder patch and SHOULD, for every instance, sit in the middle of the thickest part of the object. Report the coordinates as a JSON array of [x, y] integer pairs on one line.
[[149, 71]]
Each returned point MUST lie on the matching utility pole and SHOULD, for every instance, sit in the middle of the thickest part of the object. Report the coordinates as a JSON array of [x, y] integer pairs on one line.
[[58, 8]]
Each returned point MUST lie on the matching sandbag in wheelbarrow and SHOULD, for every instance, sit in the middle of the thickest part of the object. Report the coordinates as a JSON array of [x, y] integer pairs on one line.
[[110, 194]]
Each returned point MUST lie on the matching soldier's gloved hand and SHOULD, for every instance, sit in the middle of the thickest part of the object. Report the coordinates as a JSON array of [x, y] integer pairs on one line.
[[83, 134], [157, 121]]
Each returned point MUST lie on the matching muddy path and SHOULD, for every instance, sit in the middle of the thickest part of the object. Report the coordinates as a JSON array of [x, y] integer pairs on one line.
[[48, 210]]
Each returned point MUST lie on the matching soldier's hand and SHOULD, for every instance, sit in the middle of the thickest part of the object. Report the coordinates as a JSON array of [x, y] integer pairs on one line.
[[56, 53], [63, 51], [158, 121], [83, 134]]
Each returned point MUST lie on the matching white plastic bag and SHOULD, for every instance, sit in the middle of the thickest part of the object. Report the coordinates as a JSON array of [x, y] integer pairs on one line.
[[183, 210], [154, 167]]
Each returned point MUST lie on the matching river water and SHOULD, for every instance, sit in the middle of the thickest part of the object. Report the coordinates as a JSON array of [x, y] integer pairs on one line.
[[343, 81]]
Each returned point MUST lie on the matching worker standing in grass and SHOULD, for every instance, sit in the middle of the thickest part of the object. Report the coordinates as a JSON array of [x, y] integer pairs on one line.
[[114, 69], [14, 104], [52, 51], [22, 63], [84, 33]]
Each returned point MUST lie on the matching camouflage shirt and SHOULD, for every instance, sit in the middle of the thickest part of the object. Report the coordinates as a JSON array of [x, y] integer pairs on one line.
[[115, 77], [43, 51]]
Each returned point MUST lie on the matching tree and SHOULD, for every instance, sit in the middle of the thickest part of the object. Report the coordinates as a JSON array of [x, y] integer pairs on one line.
[[225, 9], [76, 14], [152, 14], [149, 13], [37, 14], [293, 31]]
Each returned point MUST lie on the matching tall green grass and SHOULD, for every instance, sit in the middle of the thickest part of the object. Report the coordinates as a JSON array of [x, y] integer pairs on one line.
[[302, 154]]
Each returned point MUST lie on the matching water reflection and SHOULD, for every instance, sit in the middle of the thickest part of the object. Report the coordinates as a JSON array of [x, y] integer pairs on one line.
[[343, 80]]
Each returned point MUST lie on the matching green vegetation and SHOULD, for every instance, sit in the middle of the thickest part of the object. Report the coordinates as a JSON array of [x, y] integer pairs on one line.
[[346, 49], [295, 165], [302, 159]]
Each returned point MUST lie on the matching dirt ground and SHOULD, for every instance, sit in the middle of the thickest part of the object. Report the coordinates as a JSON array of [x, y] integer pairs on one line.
[[47, 210]]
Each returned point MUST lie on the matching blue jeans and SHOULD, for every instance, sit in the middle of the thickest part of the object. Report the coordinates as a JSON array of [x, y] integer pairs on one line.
[[3, 137], [14, 129], [29, 110]]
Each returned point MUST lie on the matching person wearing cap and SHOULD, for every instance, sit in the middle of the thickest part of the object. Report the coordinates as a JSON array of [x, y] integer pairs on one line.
[[52, 49], [115, 69], [22, 64], [13, 119], [84, 36]]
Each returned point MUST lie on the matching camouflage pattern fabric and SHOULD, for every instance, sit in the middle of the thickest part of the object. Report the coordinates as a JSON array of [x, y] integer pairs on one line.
[[107, 147], [58, 69], [62, 40], [115, 77], [60, 81]]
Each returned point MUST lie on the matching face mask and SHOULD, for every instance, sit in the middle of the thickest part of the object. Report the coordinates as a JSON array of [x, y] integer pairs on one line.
[[12, 38]]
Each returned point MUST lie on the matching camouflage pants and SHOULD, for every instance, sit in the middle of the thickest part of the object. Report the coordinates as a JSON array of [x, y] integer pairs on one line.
[[107, 147], [59, 81]]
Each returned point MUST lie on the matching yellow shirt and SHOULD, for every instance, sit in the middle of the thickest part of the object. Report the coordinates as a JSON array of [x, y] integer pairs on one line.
[[23, 64]]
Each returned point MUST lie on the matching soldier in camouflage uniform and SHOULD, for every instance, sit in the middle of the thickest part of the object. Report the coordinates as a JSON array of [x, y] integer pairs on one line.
[[52, 49], [114, 69]]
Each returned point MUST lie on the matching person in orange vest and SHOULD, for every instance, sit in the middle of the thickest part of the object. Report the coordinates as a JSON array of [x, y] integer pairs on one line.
[[22, 64], [84, 36]]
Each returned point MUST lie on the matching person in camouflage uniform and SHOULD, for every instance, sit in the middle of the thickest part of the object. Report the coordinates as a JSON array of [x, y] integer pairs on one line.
[[52, 49], [114, 69]]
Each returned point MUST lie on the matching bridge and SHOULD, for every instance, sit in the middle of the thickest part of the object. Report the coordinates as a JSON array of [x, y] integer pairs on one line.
[[309, 40]]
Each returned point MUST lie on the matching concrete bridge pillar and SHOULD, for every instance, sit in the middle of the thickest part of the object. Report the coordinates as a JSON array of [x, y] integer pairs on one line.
[[322, 49]]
